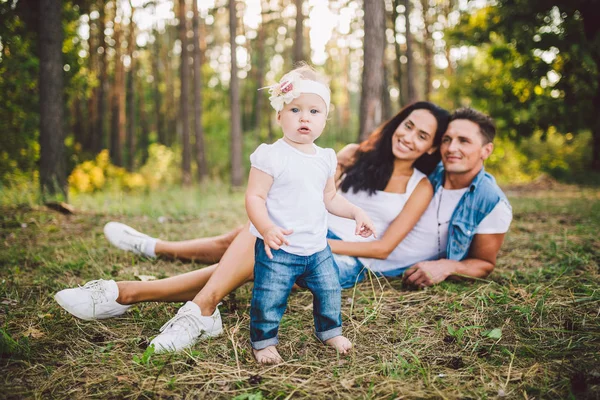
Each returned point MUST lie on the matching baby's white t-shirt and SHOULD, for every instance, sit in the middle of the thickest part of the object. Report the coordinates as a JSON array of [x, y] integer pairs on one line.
[[295, 200]]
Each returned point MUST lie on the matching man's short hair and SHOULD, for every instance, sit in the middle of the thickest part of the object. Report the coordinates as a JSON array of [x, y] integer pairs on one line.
[[486, 124]]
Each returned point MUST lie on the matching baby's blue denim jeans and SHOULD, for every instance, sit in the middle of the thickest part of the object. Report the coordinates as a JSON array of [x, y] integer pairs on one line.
[[273, 281]]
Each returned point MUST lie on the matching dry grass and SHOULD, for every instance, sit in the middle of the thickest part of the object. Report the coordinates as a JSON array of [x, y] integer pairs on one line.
[[531, 331]]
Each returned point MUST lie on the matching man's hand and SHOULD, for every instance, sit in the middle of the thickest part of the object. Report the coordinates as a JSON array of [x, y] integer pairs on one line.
[[364, 225], [428, 273], [274, 238]]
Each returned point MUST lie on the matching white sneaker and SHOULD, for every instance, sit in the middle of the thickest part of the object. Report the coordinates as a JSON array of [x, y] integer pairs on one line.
[[95, 300], [186, 328], [126, 238]]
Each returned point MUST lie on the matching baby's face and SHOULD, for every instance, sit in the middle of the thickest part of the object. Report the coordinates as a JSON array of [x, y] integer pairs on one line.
[[303, 119]]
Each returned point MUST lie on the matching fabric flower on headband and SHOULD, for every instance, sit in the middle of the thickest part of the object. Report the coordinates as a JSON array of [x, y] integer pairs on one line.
[[293, 85], [285, 91]]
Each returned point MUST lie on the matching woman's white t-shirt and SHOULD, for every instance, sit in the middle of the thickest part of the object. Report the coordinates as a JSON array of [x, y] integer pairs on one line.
[[429, 237], [295, 200], [383, 208]]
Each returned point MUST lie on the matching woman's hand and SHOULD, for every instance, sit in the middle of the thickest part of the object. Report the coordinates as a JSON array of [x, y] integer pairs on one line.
[[364, 225], [274, 238]]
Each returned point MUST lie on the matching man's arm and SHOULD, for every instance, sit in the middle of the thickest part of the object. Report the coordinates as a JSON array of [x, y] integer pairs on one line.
[[479, 263]]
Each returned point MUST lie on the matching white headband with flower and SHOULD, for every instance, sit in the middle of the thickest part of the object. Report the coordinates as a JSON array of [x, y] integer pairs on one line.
[[291, 86]]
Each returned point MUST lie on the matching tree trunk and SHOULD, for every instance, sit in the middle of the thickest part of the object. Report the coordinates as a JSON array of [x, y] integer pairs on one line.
[[410, 63], [53, 177], [144, 128], [186, 157], [78, 122], [427, 51], [385, 96], [92, 103], [237, 171], [98, 138], [372, 75], [171, 102], [157, 66], [385, 91], [130, 94], [198, 130], [260, 74], [591, 14], [397, 64], [117, 117], [299, 37]]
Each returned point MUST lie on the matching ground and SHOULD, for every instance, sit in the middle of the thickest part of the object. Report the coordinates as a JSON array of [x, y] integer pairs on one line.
[[532, 330]]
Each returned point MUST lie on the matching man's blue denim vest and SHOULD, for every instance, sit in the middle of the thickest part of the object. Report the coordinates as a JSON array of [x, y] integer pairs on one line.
[[481, 198]]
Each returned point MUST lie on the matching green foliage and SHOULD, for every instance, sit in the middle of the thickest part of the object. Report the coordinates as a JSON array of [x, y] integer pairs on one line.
[[554, 154], [534, 68], [19, 74], [19, 117]]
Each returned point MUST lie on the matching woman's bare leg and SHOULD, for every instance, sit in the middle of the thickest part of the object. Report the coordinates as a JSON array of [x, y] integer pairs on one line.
[[235, 269], [176, 288], [206, 286], [205, 250]]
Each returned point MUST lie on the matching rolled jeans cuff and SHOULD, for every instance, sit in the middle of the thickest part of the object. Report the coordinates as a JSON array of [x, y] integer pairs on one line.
[[331, 333], [263, 344]]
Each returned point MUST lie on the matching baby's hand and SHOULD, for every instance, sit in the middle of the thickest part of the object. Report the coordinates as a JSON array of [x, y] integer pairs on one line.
[[274, 238], [364, 225]]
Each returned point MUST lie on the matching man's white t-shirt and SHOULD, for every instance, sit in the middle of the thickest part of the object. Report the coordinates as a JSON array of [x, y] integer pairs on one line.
[[295, 200], [429, 238]]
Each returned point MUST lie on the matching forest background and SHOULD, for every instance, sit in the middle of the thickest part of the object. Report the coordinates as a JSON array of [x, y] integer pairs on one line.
[[132, 110], [139, 94]]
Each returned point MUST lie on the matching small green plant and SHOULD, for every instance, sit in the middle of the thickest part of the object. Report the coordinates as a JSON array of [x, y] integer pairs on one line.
[[249, 396], [11, 348], [145, 358], [458, 333]]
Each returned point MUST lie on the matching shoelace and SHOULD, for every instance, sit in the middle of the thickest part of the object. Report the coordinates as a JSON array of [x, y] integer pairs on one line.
[[184, 317], [97, 290], [138, 241]]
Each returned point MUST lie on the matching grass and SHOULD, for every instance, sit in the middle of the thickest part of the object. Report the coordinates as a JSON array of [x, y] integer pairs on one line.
[[532, 330]]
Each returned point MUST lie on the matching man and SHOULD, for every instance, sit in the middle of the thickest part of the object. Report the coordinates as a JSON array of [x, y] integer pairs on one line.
[[469, 214]]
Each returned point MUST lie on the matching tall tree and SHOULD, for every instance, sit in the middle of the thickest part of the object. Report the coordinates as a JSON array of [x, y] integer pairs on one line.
[[398, 55], [186, 158], [144, 122], [53, 177], [411, 91], [372, 75], [92, 103], [237, 171], [299, 36], [117, 126], [130, 141], [198, 130], [427, 49], [260, 73], [157, 66], [98, 131]]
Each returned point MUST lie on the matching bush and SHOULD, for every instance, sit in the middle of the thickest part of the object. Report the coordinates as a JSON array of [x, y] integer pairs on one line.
[[99, 174]]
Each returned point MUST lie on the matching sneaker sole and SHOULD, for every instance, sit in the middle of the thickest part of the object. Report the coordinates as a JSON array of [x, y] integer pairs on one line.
[[61, 303], [164, 349]]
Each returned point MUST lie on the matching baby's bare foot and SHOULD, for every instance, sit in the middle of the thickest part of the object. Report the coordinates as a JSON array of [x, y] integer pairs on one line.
[[340, 343], [268, 355]]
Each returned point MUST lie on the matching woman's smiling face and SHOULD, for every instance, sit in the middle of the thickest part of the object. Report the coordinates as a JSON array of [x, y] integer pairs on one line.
[[414, 136]]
